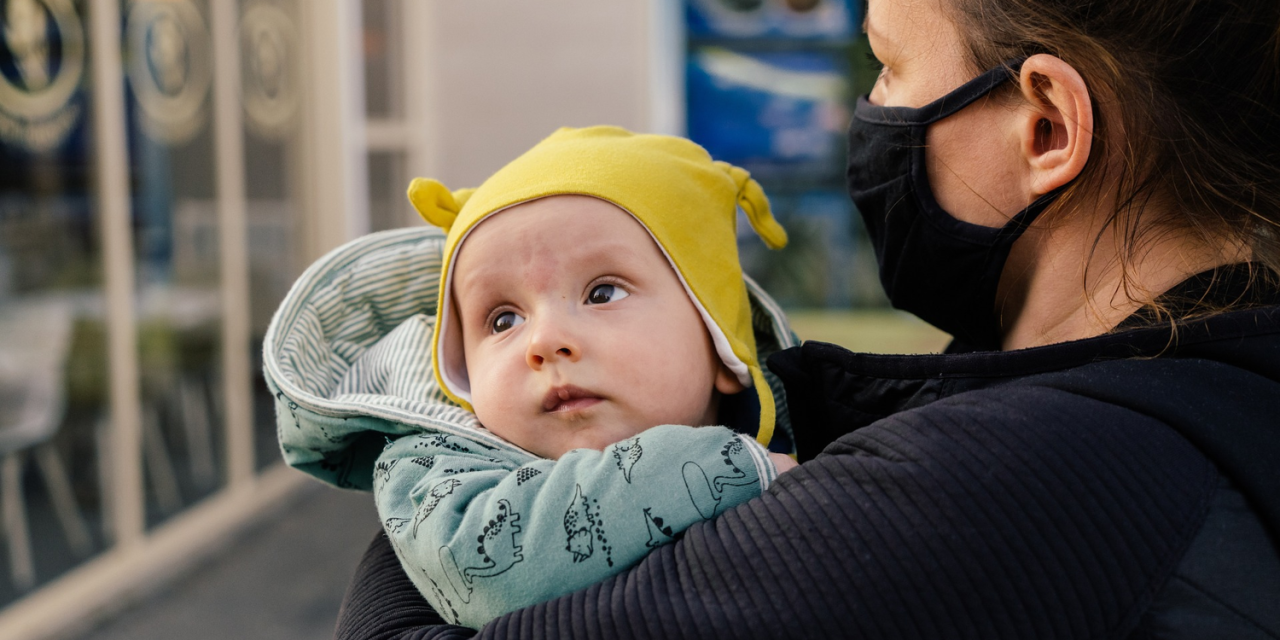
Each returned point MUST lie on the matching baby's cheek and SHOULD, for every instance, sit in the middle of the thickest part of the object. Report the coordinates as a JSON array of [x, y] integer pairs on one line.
[[678, 394], [511, 428], [492, 406]]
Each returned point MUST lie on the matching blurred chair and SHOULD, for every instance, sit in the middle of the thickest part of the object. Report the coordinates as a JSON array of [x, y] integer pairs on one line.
[[179, 391], [35, 337]]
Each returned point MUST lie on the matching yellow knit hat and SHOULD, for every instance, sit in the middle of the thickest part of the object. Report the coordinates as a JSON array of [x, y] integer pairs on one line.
[[686, 201]]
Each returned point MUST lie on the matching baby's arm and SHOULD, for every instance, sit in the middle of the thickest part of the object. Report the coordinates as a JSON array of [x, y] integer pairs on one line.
[[783, 462], [482, 532]]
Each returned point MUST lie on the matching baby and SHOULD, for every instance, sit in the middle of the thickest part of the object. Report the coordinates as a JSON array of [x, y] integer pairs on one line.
[[591, 302]]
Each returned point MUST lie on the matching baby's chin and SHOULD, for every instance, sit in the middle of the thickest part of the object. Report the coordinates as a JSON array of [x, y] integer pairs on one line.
[[580, 431], [597, 438]]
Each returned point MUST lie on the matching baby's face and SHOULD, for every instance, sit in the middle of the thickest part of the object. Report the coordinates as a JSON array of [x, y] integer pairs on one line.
[[577, 332]]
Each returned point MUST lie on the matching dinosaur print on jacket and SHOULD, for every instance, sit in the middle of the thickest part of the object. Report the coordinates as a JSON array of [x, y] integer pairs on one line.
[[435, 494], [627, 453], [579, 524], [583, 525], [497, 549], [659, 534], [707, 492]]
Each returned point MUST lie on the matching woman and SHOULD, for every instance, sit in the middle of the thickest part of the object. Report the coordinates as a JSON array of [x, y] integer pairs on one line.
[[1086, 193]]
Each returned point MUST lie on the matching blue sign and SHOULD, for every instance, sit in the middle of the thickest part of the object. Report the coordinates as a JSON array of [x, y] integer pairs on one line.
[[776, 114], [804, 19]]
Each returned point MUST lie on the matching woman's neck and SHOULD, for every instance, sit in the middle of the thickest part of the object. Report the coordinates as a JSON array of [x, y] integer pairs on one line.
[[1048, 294]]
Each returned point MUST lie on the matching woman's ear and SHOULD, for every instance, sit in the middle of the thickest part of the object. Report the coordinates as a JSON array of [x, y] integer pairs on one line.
[[1057, 130], [726, 382]]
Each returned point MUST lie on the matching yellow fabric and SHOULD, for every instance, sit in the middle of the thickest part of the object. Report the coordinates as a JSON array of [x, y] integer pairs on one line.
[[687, 201]]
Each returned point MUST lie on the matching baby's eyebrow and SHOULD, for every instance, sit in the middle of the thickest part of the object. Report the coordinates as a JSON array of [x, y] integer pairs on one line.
[[606, 254], [477, 298]]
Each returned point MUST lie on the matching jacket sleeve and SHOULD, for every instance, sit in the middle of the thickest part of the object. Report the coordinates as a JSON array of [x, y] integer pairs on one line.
[[1008, 513], [482, 533]]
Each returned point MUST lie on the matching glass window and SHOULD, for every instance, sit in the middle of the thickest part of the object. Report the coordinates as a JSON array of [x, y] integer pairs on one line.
[[270, 85], [168, 74], [382, 58], [53, 373], [389, 207]]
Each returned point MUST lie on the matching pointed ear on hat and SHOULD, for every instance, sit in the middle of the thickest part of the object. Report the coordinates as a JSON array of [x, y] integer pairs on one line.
[[435, 203], [755, 204]]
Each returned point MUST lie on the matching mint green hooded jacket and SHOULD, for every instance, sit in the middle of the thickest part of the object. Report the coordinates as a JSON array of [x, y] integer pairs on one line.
[[481, 526]]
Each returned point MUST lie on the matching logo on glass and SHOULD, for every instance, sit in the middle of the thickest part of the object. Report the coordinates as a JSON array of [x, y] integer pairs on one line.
[[268, 55], [42, 60], [169, 68]]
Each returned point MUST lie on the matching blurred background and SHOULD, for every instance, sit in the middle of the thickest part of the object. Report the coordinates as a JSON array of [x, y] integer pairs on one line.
[[169, 167]]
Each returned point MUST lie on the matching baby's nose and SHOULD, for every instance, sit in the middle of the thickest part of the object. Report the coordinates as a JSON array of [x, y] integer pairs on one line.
[[550, 342]]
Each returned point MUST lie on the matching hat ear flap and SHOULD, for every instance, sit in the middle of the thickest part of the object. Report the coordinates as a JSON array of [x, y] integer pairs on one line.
[[755, 204], [435, 203], [461, 196]]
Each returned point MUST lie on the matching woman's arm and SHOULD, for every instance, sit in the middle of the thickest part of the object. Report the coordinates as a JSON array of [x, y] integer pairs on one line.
[[381, 602], [1015, 513], [482, 535]]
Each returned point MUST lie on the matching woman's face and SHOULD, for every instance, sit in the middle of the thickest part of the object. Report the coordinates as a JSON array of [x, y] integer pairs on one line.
[[976, 170]]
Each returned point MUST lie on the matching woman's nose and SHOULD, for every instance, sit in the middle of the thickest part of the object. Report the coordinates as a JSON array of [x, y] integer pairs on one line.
[[551, 340]]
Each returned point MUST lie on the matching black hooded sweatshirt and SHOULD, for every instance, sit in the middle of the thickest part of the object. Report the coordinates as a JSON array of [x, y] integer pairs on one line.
[[1122, 486]]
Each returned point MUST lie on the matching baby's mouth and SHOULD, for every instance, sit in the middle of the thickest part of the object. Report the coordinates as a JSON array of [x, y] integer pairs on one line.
[[568, 398]]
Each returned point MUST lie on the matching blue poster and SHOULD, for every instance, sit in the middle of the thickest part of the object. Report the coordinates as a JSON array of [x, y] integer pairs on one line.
[[804, 19], [776, 114]]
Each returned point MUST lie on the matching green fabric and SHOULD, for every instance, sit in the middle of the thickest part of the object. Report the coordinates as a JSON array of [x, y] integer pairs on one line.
[[482, 532]]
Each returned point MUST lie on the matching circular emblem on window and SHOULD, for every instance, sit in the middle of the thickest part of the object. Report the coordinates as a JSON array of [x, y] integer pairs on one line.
[[268, 55], [169, 68], [42, 61]]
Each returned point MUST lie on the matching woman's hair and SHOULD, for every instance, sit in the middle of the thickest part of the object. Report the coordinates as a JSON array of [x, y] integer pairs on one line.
[[1186, 100]]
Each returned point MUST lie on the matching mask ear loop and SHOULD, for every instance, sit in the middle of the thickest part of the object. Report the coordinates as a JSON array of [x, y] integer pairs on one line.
[[944, 107], [755, 204]]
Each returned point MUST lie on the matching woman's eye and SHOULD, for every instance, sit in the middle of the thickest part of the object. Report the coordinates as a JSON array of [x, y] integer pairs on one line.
[[874, 63], [506, 320], [603, 293]]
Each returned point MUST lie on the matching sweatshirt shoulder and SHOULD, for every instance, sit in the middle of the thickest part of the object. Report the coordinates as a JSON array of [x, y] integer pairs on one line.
[[1029, 424]]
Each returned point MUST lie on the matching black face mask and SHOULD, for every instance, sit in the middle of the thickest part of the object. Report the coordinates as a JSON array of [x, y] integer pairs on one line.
[[931, 264]]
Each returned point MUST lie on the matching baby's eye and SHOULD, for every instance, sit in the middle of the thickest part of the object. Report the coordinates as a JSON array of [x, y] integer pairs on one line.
[[603, 293], [506, 320]]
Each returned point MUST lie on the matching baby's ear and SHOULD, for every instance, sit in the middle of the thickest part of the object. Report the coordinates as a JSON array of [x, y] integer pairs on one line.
[[727, 382], [435, 203]]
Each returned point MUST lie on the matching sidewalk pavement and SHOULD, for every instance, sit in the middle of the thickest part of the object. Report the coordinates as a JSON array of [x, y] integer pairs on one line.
[[283, 579]]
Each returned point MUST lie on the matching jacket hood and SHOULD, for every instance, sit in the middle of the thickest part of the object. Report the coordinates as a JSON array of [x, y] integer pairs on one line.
[[348, 358]]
